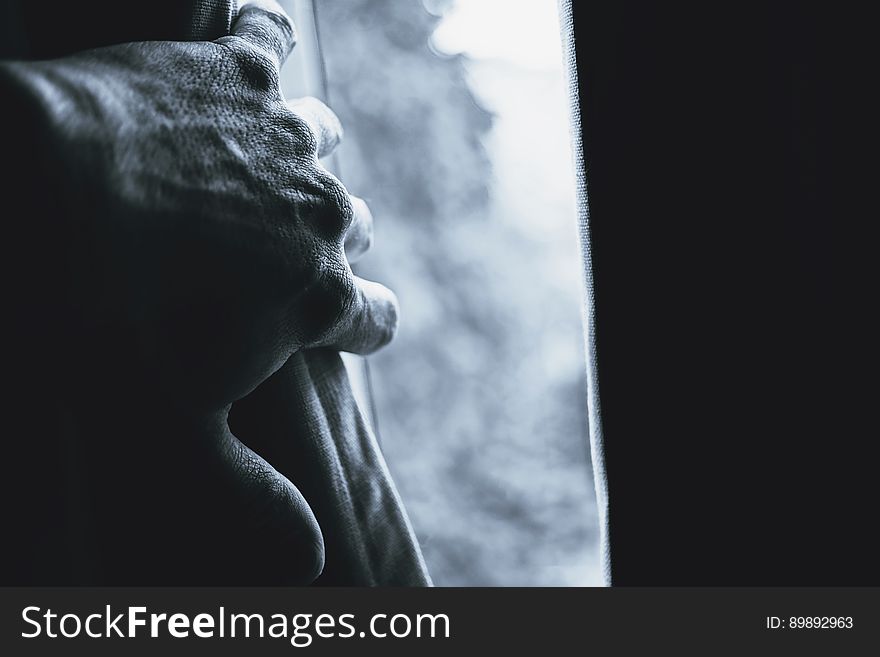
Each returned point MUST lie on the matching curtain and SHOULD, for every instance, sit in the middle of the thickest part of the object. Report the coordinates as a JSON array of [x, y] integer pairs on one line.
[[306, 422], [723, 147], [589, 317]]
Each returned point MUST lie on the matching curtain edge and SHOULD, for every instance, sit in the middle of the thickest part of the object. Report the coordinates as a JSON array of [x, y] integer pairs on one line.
[[597, 444]]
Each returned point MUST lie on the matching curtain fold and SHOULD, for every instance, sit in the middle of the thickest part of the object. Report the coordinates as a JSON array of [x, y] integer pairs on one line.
[[54, 28], [306, 422]]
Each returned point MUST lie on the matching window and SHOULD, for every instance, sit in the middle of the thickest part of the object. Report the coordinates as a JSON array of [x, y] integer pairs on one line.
[[457, 136]]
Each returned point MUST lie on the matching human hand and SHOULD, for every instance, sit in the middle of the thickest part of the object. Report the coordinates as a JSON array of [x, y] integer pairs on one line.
[[204, 244], [215, 235]]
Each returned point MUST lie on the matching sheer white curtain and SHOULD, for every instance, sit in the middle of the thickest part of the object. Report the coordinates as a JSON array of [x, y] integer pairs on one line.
[[583, 209]]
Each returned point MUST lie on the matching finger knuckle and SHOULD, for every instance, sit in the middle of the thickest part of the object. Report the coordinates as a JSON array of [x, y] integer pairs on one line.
[[256, 67], [332, 299], [304, 139], [343, 292], [262, 72], [333, 212]]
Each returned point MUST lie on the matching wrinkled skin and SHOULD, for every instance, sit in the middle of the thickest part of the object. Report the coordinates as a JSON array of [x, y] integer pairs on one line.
[[206, 245]]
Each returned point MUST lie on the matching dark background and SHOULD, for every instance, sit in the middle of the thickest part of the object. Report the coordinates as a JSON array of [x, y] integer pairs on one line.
[[722, 143]]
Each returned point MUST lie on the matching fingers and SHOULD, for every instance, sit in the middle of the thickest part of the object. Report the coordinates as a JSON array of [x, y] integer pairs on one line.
[[323, 123], [266, 27], [359, 237], [327, 129], [369, 324], [271, 523]]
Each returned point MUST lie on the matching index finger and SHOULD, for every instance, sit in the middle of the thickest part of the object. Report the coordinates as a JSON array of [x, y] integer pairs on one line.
[[370, 322], [266, 27], [323, 123]]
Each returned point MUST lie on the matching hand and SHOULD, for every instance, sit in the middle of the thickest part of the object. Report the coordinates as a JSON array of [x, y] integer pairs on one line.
[[217, 238], [204, 244]]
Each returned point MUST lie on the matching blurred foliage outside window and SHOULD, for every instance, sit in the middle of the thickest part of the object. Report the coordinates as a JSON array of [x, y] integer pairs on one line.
[[465, 162]]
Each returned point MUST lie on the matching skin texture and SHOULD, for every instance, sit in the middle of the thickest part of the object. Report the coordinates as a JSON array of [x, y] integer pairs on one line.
[[201, 244]]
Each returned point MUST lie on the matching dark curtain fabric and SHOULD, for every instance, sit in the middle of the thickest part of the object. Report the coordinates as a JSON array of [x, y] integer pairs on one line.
[[304, 420], [58, 27], [720, 158]]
